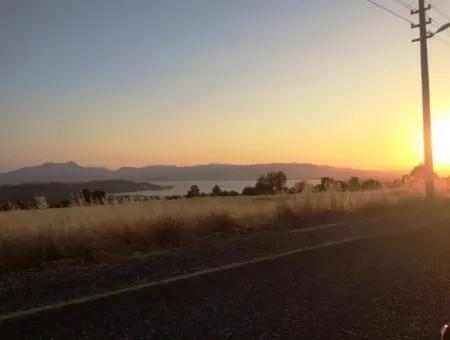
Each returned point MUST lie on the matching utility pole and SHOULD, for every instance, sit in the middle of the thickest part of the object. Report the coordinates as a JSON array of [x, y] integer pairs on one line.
[[427, 136]]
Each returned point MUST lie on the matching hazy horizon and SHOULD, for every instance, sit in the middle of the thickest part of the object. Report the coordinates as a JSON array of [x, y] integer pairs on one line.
[[113, 83], [394, 170]]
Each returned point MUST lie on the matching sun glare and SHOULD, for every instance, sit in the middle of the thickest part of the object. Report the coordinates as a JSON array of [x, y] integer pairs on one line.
[[441, 141]]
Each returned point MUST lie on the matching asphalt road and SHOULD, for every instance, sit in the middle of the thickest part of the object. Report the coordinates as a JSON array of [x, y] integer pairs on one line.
[[395, 287]]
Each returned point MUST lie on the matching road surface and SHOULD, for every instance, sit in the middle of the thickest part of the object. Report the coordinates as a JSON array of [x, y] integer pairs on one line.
[[395, 287]]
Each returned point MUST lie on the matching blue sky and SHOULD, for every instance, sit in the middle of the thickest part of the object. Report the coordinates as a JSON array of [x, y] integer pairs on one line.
[[115, 82]]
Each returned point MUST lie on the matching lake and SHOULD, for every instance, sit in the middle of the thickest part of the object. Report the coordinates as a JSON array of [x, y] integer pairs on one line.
[[182, 187]]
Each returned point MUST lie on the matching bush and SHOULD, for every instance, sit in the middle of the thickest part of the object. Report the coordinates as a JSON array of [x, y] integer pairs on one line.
[[216, 223], [216, 191], [249, 191], [194, 191], [286, 216], [169, 231], [371, 184]]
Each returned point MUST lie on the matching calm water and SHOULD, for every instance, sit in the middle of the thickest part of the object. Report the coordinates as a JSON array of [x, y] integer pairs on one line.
[[181, 188]]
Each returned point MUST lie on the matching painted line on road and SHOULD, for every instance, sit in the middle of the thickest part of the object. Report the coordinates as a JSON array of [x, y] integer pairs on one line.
[[334, 225], [134, 288], [320, 227]]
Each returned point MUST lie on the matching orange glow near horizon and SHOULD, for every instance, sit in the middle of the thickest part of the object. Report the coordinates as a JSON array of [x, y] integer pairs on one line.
[[441, 142], [225, 82]]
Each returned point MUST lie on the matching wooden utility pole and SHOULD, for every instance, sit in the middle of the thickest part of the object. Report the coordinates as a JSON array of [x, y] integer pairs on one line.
[[427, 135]]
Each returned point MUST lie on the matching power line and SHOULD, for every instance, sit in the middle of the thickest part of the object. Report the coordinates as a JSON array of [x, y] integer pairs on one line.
[[438, 10], [435, 23], [443, 41], [404, 4], [441, 12], [390, 11]]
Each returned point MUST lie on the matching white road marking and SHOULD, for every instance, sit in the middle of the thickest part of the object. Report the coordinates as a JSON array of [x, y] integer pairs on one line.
[[320, 227], [112, 293], [134, 288]]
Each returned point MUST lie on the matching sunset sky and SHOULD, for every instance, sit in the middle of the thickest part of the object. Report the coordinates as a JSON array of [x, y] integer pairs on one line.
[[140, 82]]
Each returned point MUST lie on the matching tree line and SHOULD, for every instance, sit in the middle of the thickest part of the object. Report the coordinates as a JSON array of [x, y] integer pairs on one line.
[[274, 183], [85, 197]]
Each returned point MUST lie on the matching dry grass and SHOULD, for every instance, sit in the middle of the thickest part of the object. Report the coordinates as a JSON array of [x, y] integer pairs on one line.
[[31, 238]]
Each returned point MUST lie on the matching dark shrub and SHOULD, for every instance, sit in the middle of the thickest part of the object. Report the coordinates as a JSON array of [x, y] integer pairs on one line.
[[249, 191], [216, 191], [354, 184], [194, 191], [86, 195], [371, 184], [216, 223], [300, 187], [98, 196], [169, 231]]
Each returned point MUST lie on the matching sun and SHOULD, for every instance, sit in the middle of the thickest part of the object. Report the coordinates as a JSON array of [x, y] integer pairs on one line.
[[441, 142]]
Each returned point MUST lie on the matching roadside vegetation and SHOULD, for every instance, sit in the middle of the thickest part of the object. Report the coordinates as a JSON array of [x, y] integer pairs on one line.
[[95, 232]]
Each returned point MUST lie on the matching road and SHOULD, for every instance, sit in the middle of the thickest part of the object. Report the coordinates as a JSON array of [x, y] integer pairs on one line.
[[394, 287]]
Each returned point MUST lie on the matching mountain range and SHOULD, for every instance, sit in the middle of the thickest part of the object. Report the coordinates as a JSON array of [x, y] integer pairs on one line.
[[71, 172]]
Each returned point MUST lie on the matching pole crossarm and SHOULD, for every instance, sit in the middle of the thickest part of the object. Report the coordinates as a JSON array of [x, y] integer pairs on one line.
[[418, 11], [428, 36], [429, 22]]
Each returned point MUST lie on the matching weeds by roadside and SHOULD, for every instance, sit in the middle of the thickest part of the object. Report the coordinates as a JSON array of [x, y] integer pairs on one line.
[[99, 239]]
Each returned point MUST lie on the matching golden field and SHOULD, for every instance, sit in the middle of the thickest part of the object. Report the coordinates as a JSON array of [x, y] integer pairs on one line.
[[32, 237]]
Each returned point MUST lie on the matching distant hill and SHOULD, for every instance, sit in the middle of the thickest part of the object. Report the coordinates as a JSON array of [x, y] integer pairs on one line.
[[57, 192], [71, 172]]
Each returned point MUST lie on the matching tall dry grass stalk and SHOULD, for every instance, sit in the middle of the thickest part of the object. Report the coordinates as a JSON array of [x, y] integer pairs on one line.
[[32, 237]]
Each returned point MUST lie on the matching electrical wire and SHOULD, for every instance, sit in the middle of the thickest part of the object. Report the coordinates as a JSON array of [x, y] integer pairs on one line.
[[404, 4], [443, 41], [390, 11], [435, 23], [441, 12]]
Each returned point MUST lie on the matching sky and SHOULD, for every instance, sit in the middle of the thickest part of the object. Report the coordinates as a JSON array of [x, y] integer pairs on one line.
[[139, 82]]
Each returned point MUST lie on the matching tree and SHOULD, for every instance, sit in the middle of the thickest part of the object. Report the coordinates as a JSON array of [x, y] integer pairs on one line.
[[326, 183], [292, 191], [371, 184], [249, 191], [230, 193], [21, 205], [272, 183], [354, 184], [341, 186], [216, 191], [419, 172], [41, 202], [99, 196], [299, 187], [263, 186], [6, 206], [406, 179], [277, 180], [194, 191], [86, 195]]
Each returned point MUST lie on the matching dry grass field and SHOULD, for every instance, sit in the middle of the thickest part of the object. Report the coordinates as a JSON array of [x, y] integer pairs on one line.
[[91, 233]]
